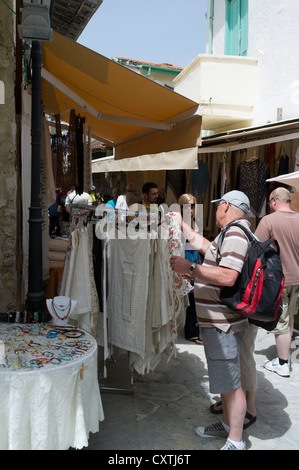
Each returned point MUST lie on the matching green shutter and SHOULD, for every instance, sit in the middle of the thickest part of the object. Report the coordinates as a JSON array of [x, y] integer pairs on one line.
[[236, 27]]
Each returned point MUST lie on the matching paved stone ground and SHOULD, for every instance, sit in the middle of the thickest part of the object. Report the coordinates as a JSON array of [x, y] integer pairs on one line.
[[160, 410]]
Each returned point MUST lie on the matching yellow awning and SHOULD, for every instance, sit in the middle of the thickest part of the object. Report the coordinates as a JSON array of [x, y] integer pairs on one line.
[[120, 105], [185, 159]]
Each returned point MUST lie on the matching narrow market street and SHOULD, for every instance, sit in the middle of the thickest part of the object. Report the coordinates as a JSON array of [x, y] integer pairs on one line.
[[165, 407]]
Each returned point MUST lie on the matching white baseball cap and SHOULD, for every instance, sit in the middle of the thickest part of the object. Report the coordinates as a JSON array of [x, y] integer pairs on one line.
[[236, 198]]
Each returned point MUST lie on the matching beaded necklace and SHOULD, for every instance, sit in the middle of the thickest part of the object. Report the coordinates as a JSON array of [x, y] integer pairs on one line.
[[62, 308]]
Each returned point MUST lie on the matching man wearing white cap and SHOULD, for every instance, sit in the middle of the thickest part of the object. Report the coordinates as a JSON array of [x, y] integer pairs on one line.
[[222, 330]]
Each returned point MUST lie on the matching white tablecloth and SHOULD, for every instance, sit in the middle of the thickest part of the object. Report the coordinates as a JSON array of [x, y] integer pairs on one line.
[[49, 391]]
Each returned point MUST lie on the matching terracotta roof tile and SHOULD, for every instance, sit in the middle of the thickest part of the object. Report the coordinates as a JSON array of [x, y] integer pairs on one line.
[[170, 66]]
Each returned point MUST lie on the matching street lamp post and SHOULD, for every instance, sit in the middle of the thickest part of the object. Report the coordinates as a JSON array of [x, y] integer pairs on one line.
[[35, 295], [35, 27]]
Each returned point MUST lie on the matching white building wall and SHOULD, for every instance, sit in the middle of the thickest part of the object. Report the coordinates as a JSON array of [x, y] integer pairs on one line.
[[218, 27], [273, 38]]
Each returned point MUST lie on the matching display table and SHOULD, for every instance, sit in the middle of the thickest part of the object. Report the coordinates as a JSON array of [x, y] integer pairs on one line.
[[49, 391]]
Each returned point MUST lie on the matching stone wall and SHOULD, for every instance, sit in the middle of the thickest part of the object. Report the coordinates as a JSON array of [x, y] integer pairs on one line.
[[8, 163]]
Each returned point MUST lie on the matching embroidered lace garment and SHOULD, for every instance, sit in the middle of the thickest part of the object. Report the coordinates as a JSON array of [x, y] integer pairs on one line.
[[128, 271], [146, 299], [78, 282]]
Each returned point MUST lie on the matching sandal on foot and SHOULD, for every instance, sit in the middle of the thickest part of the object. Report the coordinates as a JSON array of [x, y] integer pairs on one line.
[[195, 340], [213, 409], [252, 419]]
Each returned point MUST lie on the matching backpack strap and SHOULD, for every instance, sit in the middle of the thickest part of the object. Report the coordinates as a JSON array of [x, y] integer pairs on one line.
[[251, 237], [247, 232]]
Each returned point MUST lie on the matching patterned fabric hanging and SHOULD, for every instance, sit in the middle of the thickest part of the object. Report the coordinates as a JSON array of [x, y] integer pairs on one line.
[[66, 167], [251, 179], [80, 152]]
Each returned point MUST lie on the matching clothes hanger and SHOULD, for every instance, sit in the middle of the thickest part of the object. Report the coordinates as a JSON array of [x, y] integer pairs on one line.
[[253, 158]]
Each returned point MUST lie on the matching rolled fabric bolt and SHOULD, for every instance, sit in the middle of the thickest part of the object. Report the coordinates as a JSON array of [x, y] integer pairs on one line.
[[2, 352]]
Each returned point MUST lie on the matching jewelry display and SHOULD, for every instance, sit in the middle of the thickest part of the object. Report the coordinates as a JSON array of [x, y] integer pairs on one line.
[[61, 308]]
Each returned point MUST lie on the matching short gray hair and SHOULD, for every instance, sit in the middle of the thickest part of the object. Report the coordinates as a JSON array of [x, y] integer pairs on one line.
[[239, 212], [281, 194]]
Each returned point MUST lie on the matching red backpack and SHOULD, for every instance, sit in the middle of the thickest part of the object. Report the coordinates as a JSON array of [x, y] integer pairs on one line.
[[257, 291]]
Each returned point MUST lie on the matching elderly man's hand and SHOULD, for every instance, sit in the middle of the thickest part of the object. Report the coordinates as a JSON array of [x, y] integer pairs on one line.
[[180, 265]]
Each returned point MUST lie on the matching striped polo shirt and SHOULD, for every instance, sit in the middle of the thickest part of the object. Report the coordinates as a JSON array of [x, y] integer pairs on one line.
[[211, 312]]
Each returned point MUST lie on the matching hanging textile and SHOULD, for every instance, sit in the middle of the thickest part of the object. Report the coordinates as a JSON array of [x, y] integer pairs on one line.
[[47, 191], [176, 180], [128, 268], [296, 167], [87, 183], [66, 166], [80, 152], [200, 180], [146, 299], [251, 179], [271, 159], [78, 282], [167, 299], [222, 177], [283, 168]]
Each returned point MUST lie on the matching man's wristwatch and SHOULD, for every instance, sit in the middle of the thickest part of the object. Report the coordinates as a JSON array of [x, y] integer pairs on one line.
[[191, 269]]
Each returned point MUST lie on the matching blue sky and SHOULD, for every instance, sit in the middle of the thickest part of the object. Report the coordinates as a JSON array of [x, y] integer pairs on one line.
[[160, 31]]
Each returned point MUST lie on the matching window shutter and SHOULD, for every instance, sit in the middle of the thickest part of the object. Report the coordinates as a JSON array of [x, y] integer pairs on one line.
[[236, 27]]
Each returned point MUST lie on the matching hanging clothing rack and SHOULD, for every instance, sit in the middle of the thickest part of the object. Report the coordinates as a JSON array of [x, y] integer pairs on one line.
[[95, 214], [100, 212]]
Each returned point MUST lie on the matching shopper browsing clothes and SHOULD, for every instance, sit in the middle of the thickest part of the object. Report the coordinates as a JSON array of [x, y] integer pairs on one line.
[[222, 330], [187, 206], [76, 198], [149, 202]]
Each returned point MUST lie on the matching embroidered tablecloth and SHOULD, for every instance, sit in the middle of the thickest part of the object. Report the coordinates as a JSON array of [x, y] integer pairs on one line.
[[50, 397]]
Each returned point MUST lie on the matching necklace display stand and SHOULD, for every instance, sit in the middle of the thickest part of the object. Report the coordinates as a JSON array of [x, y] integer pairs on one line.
[[61, 308]]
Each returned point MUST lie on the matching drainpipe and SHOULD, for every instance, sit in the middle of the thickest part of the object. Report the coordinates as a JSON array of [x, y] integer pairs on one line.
[[211, 21]]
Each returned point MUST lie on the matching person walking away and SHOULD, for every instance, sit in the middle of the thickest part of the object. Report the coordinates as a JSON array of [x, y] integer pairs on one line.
[[77, 199], [283, 225]]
